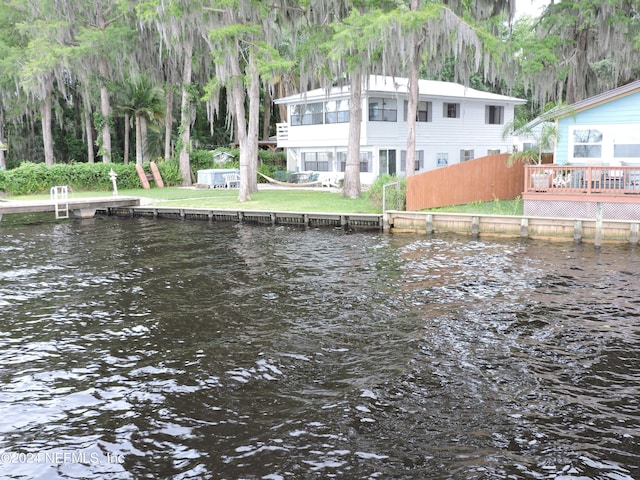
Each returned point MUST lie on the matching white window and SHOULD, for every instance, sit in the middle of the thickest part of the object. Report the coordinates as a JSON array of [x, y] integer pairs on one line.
[[587, 143], [383, 109], [442, 159], [419, 163], [604, 143], [315, 161], [466, 155], [365, 161], [626, 142], [337, 111], [451, 110], [424, 111], [307, 114], [493, 115]]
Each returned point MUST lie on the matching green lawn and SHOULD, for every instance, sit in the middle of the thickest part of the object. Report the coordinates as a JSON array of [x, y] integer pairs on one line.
[[495, 207], [282, 200]]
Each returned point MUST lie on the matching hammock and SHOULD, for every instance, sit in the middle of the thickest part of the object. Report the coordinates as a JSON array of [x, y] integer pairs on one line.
[[287, 184]]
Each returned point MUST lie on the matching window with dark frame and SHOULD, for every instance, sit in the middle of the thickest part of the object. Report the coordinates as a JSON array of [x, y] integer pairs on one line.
[[466, 155], [383, 110], [424, 111], [315, 161], [451, 110], [493, 115], [365, 161]]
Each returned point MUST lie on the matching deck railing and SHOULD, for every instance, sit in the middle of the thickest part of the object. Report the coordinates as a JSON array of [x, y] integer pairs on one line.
[[582, 180]]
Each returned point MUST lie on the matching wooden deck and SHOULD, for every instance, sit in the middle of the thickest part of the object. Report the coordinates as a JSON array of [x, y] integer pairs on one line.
[[585, 181], [572, 191], [80, 207]]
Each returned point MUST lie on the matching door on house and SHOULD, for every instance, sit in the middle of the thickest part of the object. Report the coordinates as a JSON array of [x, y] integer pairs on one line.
[[388, 162]]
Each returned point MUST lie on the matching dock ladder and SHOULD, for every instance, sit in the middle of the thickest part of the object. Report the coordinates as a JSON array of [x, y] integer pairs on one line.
[[60, 197]]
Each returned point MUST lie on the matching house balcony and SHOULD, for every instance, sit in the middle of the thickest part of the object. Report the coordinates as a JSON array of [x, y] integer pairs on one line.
[[612, 192], [282, 132]]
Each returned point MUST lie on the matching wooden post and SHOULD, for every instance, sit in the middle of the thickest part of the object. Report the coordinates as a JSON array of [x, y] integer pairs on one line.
[[429, 222], [475, 226], [524, 227], [634, 233], [598, 236], [577, 231]]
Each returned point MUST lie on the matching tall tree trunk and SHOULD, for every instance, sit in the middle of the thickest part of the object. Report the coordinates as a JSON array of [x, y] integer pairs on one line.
[[268, 101], [168, 122], [139, 158], [47, 136], [412, 111], [412, 104], [105, 110], [185, 114], [237, 99], [581, 82], [88, 127], [352, 187], [143, 139], [127, 136], [3, 162], [282, 108], [254, 122]]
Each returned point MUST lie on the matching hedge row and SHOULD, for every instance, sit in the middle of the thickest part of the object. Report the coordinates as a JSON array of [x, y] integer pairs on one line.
[[30, 178]]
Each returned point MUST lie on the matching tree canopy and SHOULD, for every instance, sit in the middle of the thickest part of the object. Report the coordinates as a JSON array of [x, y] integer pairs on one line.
[[75, 75]]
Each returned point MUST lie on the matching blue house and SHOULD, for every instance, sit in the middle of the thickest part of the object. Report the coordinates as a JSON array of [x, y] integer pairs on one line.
[[604, 129], [596, 169]]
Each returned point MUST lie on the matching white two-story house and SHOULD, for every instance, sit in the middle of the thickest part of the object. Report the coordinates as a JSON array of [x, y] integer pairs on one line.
[[454, 124]]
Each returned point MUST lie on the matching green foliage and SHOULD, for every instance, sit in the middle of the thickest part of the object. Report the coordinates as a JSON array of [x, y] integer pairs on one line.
[[276, 159], [201, 159], [395, 197], [494, 207], [3, 181], [269, 171], [31, 178], [170, 172]]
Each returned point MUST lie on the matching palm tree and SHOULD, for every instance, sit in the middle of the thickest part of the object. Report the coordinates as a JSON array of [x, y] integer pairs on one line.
[[140, 100]]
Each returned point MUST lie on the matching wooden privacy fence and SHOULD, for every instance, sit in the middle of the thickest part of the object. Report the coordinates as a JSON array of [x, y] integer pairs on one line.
[[482, 179]]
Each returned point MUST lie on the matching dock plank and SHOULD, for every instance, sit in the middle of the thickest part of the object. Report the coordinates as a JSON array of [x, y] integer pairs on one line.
[[90, 203]]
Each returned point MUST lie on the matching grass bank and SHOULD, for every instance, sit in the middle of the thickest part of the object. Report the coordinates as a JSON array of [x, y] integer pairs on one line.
[[276, 200], [495, 207], [281, 200]]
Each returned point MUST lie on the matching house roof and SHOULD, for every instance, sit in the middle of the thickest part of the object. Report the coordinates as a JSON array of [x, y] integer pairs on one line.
[[395, 85], [604, 97]]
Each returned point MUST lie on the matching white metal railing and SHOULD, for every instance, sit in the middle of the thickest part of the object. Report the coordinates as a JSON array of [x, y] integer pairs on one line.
[[60, 196]]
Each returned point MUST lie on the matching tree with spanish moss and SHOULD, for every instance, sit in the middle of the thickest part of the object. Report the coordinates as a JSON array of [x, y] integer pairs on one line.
[[579, 49]]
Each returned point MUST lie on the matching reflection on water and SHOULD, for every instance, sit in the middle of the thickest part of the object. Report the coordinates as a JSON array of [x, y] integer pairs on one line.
[[162, 349]]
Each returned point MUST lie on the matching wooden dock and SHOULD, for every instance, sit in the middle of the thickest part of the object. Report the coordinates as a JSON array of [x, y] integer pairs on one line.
[[80, 207]]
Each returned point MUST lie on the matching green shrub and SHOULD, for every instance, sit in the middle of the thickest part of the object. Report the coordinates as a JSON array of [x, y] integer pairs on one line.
[[30, 178], [395, 198], [170, 172], [201, 159], [274, 159]]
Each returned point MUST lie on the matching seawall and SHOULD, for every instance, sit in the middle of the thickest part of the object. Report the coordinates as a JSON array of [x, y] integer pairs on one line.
[[596, 231]]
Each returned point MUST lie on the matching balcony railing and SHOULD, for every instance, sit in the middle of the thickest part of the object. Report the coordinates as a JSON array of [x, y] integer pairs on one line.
[[282, 132], [582, 180]]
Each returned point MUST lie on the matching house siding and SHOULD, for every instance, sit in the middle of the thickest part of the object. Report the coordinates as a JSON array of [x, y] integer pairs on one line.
[[620, 111], [439, 137]]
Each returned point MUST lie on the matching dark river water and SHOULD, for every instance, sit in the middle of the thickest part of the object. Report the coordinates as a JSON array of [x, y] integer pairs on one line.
[[135, 348]]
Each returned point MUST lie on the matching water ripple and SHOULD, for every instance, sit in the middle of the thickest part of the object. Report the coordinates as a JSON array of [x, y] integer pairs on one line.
[[162, 349]]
